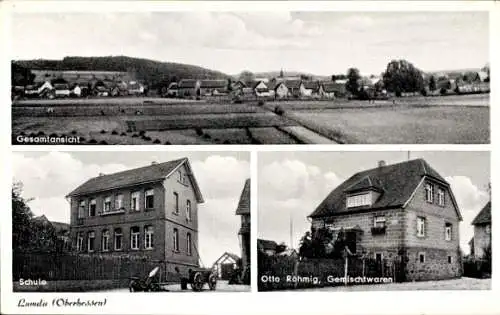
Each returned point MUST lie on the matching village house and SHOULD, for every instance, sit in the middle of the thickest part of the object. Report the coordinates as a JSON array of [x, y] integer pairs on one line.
[[226, 265], [243, 210], [188, 87], [261, 89], [481, 240], [403, 214], [309, 88], [281, 90], [332, 90], [149, 212], [293, 87], [267, 246], [213, 87]]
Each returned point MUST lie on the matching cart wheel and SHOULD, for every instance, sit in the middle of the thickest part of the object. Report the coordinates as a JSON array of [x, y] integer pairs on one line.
[[197, 284], [131, 286], [212, 282]]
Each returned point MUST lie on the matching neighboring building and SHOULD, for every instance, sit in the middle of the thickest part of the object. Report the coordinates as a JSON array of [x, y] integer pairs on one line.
[[266, 246], [309, 88], [187, 87], [332, 90], [482, 232], [293, 87], [213, 87], [403, 214], [261, 89], [135, 88], [225, 265], [62, 232], [281, 90], [243, 210], [149, 212]]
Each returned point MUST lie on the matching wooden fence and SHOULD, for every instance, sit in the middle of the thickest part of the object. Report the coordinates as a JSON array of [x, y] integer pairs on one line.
[[60, 267]]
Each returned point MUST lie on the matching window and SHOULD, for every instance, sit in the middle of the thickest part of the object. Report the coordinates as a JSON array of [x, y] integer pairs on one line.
[[134, 201], [188, 244], [447, 231], [92, 207], [379, 221], [176, 203], [107, 204], [179, 173], [90, 241], [359, 200], [429, 193], [105, 241], [118, 202], [378, 257], [81, 210], [149, 200], [79, 242], [118, 239], [488, 229], [134, 237], [421, 257], [441, 197], [148, 237], [450, 260], [420, 226], [188, 210], [176, 240]]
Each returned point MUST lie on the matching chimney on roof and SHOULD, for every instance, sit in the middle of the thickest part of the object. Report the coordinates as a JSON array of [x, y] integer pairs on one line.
[[101, 174], [381, 163], [154, 163]]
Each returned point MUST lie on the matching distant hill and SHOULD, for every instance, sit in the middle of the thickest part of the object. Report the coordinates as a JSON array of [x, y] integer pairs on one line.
[[275, 74], [153, 73]]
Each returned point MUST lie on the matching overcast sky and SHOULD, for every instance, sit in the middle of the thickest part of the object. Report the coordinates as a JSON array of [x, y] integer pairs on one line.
[[293, 184], [321, 43], [48, 177]]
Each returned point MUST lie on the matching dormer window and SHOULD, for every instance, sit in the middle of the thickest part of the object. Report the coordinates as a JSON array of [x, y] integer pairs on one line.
[[429, 193], [359, 200], [440, 196]]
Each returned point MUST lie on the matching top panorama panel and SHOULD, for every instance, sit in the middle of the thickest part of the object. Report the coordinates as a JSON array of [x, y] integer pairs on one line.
[[251, 78]]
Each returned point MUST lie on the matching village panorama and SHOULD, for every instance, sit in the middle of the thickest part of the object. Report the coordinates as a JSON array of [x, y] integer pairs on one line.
[[122, 100]]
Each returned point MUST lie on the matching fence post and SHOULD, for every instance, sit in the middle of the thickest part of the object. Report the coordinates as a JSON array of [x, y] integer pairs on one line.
[[345, 269]]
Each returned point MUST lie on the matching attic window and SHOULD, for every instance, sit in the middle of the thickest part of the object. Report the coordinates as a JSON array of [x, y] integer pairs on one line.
[[359, 200], [429, 193]]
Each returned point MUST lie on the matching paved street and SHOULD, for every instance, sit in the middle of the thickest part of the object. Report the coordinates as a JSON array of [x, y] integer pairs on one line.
[[455, 284], [222, 286]]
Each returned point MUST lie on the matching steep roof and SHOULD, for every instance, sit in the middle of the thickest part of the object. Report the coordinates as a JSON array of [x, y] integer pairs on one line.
[[330, 87], [311, 85], [234, 257], [147, 174], [395, 182], [244, 203], [187, 84], [484, 216], [217, 84], [292, 84], [266, 244]]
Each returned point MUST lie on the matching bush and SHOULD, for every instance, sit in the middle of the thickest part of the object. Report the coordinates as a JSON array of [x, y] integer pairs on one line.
[[92, 141], [261, 103], [442, 91], [135, 135], [82, 139], [142, 133], [103, 131], [157, 141], [146, 138], [52, 135], [278, 110], [226, 142], [73, 132], [168, 143], [206, 136], [40, 133], [198, 131], [102, 142], [123, 134], [114, 132]]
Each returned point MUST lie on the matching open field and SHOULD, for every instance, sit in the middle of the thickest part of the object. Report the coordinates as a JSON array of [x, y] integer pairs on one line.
[[450, 119]]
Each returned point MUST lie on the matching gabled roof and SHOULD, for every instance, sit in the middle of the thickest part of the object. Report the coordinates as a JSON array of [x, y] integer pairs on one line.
[[396, 184], [216, 84], [244, 203], [311, 85], [234, 257], [187, 84], [293, 84], [330, 87], [266, 244], [484, 216], [147, 174]]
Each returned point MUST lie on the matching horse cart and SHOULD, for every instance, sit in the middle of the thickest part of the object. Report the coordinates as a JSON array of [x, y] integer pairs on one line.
[[196, 278]]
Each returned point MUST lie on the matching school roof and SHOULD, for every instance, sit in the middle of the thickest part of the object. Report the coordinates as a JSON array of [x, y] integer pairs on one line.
[[148, 174], [484, 216], [396, 184], [244, 203]]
